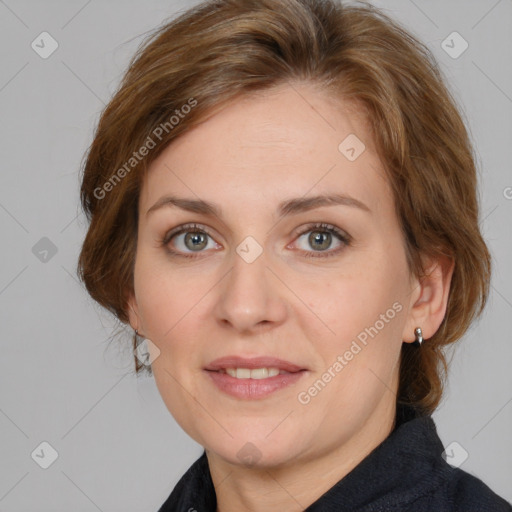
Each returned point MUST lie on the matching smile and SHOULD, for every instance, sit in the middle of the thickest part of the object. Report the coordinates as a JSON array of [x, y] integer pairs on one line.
[[255, 386]]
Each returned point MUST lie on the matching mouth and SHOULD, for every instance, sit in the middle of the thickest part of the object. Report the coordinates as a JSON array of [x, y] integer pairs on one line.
[[253, 378], [248, 365], [254, 373]]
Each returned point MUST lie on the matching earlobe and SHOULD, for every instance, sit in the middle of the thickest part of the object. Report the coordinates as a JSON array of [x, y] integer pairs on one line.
[[430, 303], [133, 315]]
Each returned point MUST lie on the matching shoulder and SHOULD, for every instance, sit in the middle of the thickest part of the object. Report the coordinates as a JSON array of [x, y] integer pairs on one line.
[[435, 484], [467, 492], [460, 491]]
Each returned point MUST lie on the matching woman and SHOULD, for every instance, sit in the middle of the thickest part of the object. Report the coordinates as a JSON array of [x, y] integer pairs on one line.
[[282, 203]]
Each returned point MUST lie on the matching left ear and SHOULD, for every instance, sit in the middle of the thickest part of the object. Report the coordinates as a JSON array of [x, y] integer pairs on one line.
[[429, 298]]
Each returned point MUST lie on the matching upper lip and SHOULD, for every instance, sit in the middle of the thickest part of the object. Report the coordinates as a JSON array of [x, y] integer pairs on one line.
[[252, 363]]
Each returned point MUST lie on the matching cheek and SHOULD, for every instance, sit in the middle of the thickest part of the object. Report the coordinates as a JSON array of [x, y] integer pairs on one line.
[[170, 306], [167, 303], [163, 296], [348, 300], [366, 315], [364, 303]]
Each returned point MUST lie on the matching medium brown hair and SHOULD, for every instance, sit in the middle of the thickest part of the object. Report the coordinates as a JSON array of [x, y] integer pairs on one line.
[[221, 49]]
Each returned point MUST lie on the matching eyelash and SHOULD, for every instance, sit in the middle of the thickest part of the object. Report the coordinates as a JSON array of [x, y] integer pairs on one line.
[[322, 227]]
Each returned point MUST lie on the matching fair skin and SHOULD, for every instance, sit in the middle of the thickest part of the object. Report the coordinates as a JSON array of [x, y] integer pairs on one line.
[[248, 158]]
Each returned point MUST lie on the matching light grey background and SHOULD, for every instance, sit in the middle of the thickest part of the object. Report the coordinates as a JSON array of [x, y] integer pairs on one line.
[[118, 447]]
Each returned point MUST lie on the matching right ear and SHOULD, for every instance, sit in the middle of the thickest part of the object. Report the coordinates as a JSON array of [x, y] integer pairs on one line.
[[133, 312]]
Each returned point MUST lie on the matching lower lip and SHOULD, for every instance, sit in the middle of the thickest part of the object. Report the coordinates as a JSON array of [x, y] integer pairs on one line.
[[253, 389]]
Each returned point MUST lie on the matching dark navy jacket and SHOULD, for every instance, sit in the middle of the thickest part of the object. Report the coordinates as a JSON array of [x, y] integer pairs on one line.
[[406, 472]]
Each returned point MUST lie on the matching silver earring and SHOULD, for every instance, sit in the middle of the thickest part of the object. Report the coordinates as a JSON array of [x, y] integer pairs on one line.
[[141, 350], [419, 336]]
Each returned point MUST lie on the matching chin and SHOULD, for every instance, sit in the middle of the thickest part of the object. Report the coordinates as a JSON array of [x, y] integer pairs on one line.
[[255, 451]]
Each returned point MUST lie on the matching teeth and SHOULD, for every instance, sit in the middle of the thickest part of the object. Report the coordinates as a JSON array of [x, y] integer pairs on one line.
[[256, 373]]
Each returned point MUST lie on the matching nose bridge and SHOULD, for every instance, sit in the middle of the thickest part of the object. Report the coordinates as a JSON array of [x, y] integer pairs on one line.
[[250, 295]]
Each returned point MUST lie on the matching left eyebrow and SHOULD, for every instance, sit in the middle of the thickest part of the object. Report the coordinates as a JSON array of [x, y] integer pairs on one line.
[[286, 208], [304, 204]]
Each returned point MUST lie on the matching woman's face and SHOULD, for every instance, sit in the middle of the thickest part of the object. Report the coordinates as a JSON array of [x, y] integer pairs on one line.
[[271, 268]]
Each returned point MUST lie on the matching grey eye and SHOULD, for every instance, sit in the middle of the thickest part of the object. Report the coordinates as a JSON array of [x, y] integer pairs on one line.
[[320, 240], [196, 241]]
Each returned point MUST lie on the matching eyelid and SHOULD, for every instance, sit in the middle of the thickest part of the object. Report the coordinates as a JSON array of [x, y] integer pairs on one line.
[[344, 238], [323, 226], [298, 232], [192, 227], [342, 235]]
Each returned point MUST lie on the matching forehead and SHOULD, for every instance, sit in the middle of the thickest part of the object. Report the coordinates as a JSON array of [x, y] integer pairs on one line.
[[290, 141]]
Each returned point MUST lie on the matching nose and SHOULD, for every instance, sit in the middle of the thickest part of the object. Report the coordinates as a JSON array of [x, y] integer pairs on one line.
[[251, 298]]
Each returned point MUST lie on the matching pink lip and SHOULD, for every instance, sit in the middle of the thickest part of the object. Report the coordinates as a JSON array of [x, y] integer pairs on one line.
[[253, 389], [253, 362]]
